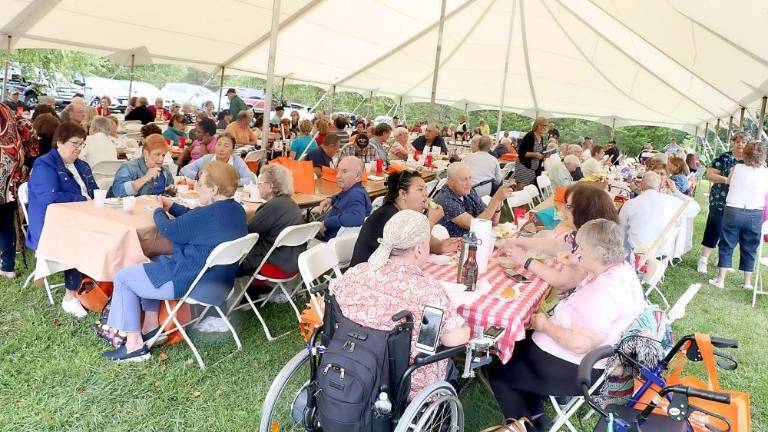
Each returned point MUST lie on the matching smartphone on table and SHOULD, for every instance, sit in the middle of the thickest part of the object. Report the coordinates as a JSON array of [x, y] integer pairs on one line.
[[429, 331], [517, 277]]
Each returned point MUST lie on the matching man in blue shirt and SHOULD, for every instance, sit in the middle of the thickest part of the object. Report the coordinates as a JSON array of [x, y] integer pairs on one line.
[[351, 206], [461, 203], [323, 155]]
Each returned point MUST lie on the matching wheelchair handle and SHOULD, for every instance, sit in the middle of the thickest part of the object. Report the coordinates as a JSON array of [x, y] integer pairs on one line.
[[584, 374], [723, 398], [403, 314], [719, 342]]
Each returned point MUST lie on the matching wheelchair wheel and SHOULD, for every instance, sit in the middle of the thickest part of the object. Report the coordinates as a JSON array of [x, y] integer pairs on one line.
[[277, 410], [435, 408]]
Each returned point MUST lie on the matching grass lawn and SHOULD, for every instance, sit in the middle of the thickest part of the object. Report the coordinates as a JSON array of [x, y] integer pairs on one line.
[[53, 378]]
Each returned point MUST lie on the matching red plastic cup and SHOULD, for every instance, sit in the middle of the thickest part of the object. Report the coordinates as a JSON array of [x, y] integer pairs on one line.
[[379, 166], [519, 213], [416, 155], [428, 160], [182, 142]]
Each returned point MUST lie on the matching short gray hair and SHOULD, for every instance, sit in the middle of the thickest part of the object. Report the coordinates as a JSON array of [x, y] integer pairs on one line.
[[399, 131], [505, 141], [574, 149], [602, 239], [572, 159], [651, 180], [279, 177], [101, 124], [454, 168], [142, 101]]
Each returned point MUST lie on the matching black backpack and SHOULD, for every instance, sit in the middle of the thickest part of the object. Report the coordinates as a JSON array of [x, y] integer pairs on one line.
[[358, 364]]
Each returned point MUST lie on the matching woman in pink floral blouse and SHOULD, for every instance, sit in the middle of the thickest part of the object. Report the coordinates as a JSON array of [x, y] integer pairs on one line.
[[392, 280]]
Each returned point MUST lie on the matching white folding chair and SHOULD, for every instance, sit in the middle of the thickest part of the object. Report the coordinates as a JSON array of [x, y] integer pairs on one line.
[[506, 171], [378, 202], [533, 194], [440, 184], [343, 246], [519, 199], [227, 253], [313, 264], [105, 169], [545, 186], [296, 235], [440, 232], [23, 195], [568, 410], [678, 310], [762, 262], [431, 186], [653, 277]]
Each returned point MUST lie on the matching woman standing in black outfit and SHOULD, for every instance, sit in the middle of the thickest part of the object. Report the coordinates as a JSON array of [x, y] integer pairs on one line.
[[530, 156]]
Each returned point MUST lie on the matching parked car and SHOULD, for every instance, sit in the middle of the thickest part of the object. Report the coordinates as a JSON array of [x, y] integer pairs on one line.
[[182, 93], [30, 91], [117, 90]]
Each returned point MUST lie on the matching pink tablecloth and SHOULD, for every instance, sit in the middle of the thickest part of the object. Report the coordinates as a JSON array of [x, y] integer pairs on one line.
[[489, 310], [99, 242]]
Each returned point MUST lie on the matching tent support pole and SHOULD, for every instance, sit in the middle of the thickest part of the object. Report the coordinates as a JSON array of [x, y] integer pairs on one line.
[[282, 89], [270, 71], [741, 120], [761, 120], [466, 114], [133, 70], [402, 111], [717, 130], [730, 125], [506, 69], [706, 131], [370, 105], [7, 67], [221, 87], [437, 61], [333, 97], [613, 128]]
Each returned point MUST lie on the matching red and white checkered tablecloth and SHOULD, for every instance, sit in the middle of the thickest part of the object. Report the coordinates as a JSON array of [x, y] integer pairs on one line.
[[489, 310]]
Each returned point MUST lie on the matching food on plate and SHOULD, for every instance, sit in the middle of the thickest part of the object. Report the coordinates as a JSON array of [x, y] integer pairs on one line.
[[506, 262], [509, 293], [504, 231]]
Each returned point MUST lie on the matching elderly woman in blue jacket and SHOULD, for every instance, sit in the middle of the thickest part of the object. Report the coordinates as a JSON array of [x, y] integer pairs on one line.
[[222, 152], [60, 177], [194, 234], [145, 175]]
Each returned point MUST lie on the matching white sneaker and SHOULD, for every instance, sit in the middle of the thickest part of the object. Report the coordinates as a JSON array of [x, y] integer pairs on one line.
[[72, 306], [747, 286], [9, 275], [701, 267], [716, 284]]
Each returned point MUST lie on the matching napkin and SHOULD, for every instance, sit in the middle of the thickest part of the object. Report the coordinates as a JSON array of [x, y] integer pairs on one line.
[[483, 230]]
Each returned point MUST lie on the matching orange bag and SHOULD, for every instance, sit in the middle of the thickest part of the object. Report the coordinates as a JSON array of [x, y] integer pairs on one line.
[[560, 194], [184, 315], [329, 174], [738, 412], [94, 295], [303, 174]]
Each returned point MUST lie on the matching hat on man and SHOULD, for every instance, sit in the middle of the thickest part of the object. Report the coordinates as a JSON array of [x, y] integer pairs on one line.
[[231, 90], [15, 92]]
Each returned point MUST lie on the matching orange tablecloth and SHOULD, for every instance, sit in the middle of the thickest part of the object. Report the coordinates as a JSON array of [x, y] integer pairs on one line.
[[489, 310]]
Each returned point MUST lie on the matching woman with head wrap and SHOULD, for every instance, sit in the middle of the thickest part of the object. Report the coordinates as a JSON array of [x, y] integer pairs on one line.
[[392, 280]]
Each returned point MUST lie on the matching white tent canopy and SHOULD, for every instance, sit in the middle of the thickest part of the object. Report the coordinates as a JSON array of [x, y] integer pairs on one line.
[[674, 63]]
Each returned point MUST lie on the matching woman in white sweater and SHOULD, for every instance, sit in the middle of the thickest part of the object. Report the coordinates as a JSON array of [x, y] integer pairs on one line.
[[743, 214]]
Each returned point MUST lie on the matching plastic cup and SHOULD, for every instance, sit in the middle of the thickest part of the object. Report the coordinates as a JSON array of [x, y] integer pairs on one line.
[[128, 204], [99, 196], [253, 192], [379, 166]]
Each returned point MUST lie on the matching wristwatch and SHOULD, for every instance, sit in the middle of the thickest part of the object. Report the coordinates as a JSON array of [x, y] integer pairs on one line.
[[527, 263]]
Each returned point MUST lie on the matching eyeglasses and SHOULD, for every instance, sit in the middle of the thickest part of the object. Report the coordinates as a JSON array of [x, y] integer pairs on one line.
[[76, 144]]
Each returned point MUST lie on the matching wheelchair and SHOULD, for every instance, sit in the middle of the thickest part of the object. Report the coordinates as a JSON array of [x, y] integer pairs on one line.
[[637, 415], [435, 408]]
